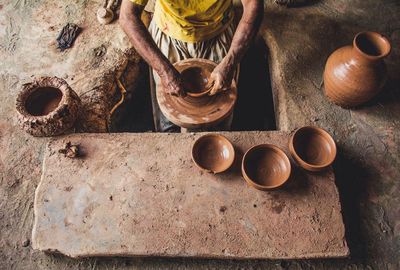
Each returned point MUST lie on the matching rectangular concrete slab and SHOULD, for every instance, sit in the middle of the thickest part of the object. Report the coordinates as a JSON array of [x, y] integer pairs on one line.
[[141, 195]]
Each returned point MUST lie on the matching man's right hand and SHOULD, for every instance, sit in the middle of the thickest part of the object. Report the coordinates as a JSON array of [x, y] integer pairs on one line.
[[172, 83]]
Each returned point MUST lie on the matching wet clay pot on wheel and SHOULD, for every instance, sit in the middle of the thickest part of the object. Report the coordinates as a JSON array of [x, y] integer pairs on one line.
[[355, 74], [265, 167], [201, 111], [312, 148], [47, 106], [195, 80], [213, 153]]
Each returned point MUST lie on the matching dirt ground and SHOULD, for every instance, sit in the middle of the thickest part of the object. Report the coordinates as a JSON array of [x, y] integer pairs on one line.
[[299, 41]]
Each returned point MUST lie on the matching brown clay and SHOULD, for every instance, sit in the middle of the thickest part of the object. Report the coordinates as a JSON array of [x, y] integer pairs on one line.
[[265, 167], [355, 74], [213, 153], [47, 106], [105, 15], [312, 148], [70, 150], [43, 101], [197, 112], [195, 80]]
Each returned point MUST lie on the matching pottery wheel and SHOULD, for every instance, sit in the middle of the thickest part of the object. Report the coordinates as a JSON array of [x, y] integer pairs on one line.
[[197, 112]]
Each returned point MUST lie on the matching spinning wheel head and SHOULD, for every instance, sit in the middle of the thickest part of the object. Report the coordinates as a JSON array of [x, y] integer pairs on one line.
[[196, 110]]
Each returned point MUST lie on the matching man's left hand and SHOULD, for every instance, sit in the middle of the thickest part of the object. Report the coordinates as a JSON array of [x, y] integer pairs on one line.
[[221, 78]]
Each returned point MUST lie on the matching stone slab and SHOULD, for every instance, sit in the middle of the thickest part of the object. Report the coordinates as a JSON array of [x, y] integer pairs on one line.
[[141, 195]]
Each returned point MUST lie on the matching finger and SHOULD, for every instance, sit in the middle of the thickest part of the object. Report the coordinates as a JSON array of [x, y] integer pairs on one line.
[[209, 85], [218, 85], [224, 89], [214, 89], [211, 82], [226, 86]]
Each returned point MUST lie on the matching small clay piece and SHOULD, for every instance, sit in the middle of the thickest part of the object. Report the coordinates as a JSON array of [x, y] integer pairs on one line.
[[355, 74], [213, 153], [47, 106], [70, 150], [105, 15], [312, 148], [265, 167], [201, 111], [195, 81]]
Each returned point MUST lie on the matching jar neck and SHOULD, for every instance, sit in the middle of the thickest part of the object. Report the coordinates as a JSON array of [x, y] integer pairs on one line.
[[362, 57], [370, 47]]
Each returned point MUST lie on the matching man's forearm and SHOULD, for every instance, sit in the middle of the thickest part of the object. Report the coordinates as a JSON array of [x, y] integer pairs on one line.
[[247, 29], [141, 39]]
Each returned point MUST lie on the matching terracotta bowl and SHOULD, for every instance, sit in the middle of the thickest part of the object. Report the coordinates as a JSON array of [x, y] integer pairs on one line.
[[265, 167], [312, 148], [195, 79], [213, 153], [47, 106]]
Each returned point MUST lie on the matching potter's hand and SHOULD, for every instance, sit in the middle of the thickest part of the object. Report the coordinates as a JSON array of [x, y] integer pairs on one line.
[[221, 78], [172, 83]]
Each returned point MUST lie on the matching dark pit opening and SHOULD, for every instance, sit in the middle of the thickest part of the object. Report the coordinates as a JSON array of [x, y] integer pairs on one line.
[[43, 101], [254, 109], [371, 44], [137, 112]]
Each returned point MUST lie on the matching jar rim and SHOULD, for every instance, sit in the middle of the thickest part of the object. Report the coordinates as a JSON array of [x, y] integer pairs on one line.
[[372, 45]]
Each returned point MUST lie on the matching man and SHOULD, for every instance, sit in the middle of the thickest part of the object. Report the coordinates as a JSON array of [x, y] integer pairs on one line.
[[183, 29]]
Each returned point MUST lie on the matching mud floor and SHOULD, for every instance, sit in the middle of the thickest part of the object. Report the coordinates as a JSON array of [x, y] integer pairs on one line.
[[298, 40]]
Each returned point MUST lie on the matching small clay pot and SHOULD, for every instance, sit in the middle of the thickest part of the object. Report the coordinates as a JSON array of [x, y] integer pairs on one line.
[[195, 79], [105, 15], [265, 167], [47, 106], [355, 74], [312, 148], [213, 153]]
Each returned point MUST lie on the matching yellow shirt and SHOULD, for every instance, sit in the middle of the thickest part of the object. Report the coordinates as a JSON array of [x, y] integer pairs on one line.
[[191, 20]]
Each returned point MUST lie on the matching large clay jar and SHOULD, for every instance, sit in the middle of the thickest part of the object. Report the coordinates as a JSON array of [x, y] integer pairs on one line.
[[47, 106], [355, 74]]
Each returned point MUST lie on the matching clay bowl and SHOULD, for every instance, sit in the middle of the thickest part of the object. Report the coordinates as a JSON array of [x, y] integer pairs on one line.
[[312, 148], [47, 106], [265, 167], [195, 79], [213, 153]]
